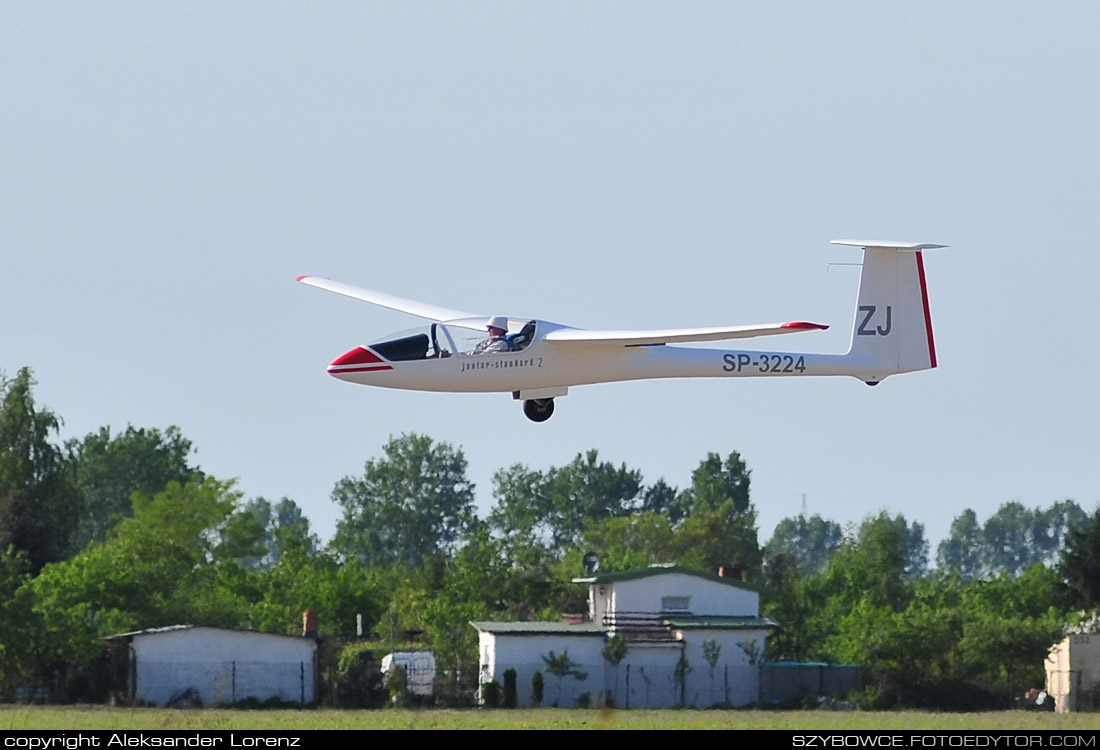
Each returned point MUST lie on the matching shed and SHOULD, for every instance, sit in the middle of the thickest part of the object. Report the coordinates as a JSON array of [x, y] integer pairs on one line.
[[215, 666], [1073, 673]]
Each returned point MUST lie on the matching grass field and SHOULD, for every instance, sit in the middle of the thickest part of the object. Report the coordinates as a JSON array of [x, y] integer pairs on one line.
[[70, 718]]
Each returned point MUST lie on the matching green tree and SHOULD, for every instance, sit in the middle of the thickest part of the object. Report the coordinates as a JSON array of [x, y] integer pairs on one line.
[[542, 514], [712, 652], [106, 470], [19, 624], [789, 601], [809, 542], [1009, 625], [1012, 540], [961, 551], [614, 651], [155, 569], [561, 666], [716, 480], [720, 525], [1080, 565], [259, 533], [663, 499], [413, 503], [631, 541], [37, 513]]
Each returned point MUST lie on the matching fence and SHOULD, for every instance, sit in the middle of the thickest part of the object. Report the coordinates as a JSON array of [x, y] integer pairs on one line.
[[789, 683], [640, 685], [223, 683]]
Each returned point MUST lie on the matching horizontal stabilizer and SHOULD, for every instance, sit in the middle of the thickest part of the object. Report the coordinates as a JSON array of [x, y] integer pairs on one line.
[[911, 247], [677, 335]]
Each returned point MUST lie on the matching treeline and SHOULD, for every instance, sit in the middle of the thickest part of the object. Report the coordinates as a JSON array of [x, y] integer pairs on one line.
[[119, 532]]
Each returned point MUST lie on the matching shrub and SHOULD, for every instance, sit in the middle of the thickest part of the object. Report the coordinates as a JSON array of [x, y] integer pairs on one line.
[[509, 688], [537, 686], [490, 694]]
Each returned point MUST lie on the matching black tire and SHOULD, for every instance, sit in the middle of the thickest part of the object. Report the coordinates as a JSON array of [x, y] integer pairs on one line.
[[538, 409]]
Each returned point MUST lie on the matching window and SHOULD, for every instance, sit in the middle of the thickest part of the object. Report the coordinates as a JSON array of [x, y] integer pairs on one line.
[[675, 603]]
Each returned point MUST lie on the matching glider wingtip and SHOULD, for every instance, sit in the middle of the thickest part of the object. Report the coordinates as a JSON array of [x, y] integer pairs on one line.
[[801, 325]]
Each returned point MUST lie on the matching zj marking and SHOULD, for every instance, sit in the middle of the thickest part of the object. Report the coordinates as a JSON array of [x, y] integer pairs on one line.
[[863, 329]]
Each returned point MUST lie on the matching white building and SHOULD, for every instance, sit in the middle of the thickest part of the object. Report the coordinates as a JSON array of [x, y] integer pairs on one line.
[[219, 667], [692, 639], [1073, 673]]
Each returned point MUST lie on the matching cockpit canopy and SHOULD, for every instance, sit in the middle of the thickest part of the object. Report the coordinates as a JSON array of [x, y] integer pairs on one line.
[[444, 340]]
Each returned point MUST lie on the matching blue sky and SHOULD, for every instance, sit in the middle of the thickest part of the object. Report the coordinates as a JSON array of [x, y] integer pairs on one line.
[[168, 169]]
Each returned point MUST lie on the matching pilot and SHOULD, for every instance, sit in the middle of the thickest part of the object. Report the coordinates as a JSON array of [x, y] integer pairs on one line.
[[498, 329]]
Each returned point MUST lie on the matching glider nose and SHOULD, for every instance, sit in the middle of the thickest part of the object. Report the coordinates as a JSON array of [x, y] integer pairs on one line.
[[359, 359]]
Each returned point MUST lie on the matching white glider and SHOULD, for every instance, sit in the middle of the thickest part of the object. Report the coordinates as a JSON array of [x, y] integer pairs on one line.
[[540, 360]]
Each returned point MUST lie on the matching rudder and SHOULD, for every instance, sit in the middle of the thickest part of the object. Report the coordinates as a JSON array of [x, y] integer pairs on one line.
[[892, 331]]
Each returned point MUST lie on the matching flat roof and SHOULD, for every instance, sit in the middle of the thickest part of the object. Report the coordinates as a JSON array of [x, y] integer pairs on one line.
[[660, 569], [537, 628]]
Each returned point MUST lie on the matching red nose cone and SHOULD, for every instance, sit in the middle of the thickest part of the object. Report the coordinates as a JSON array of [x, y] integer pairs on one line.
[[358, 360]]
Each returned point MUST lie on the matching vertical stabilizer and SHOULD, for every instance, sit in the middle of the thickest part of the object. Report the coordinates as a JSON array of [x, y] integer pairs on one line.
[[892, 331]]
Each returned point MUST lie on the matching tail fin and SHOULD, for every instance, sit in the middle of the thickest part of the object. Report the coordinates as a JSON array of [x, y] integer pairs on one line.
[[892, 332]]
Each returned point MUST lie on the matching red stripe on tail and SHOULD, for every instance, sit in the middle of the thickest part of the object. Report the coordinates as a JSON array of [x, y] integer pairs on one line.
[[927, 311]]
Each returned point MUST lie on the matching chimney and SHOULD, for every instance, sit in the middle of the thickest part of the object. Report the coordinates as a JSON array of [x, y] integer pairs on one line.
[[309, 624], [730, 571]]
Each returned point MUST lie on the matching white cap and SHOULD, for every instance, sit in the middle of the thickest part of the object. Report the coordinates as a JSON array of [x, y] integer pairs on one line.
[[498, 321]]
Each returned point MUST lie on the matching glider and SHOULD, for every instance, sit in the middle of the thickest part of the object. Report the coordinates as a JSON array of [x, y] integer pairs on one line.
[[537, 360]]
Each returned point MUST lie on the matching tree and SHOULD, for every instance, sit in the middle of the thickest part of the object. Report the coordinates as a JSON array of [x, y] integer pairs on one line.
[[1080, 566], [155, 569], [719, 527], [107, 470], [881, 561], [258, 534], [715, 481], [1006, 539], [665, 500], [36, 508], [1013, 539], [630, 541], [548, 511], [561, 666], [19, 624], [711, 538], [413, 503], [712, 652], [961, 551], [614, 651], [809, 542]]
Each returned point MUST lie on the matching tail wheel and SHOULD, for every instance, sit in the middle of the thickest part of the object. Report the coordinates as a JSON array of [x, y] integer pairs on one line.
[[538, 409]]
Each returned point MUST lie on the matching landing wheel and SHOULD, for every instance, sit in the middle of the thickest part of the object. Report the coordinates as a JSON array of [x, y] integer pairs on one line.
[[538, 409]]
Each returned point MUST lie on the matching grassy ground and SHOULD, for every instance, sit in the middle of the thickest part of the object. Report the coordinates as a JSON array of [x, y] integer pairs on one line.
[[69, 718]]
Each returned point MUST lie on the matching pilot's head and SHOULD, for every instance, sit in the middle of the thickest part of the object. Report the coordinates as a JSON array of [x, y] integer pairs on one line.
[[497, 325]]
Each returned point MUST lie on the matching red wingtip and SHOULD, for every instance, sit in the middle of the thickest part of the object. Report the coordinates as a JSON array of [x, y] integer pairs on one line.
[[804, 326], [304, 276]]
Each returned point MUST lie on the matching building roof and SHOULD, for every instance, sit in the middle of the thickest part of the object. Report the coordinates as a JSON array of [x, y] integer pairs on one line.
[[661, 569], [177, 628], [719, 622], [539, 628]]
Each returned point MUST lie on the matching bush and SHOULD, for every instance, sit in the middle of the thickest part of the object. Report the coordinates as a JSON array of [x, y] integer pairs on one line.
[[490, 694], [397, 685], [356, 681], [537, 686], [509, 688]]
